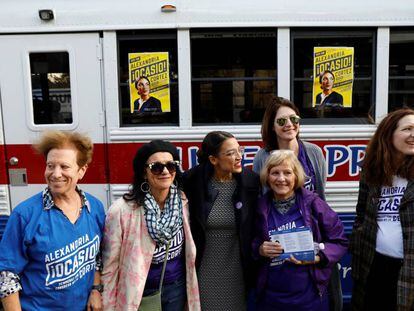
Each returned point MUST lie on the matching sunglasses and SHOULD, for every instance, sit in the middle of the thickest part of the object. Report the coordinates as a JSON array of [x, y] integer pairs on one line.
[[282, 121], [157, 168]]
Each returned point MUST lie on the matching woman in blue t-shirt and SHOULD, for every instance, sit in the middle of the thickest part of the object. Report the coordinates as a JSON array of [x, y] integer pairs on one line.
[[286, 283], [49, 252]]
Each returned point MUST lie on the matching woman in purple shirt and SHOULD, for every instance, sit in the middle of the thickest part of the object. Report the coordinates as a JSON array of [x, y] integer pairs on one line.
[[291, 284]]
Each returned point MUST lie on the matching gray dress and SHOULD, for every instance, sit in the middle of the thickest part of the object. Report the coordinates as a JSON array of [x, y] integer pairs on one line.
[[221, 276]]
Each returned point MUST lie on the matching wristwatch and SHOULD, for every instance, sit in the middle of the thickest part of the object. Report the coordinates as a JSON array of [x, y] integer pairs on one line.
[[98, 287]]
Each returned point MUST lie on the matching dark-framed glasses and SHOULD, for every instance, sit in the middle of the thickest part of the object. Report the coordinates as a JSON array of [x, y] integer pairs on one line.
[[157, 168], [234, 152], [293, 118]]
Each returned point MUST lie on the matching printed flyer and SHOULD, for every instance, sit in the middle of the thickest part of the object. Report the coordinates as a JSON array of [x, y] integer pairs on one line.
[[149, 82], [297, 242], [333, 77]]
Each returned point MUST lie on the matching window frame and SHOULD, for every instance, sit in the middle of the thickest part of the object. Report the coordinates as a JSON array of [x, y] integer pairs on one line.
[[29, 91], [198, 34], [391, 78], [348, 32], [158, 34]]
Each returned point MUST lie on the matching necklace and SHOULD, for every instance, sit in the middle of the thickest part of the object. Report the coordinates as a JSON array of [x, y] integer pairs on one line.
[[72, 215]]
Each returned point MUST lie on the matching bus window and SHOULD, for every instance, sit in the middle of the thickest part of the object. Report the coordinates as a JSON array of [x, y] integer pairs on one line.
[[51, 93], [401, 69], [233, 75], [361, 100], [152, 56]]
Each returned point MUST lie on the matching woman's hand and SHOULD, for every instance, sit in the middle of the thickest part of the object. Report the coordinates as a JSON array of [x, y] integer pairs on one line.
[[12, 302], [94, 301], [270, 249], [304, 262]]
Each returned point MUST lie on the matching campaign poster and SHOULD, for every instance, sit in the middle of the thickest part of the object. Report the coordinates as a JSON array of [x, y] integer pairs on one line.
[[333, 77], [149, 82]]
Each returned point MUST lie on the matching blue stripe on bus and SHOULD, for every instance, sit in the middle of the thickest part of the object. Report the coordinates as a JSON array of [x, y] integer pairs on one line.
[[345, 272], [348, 221]]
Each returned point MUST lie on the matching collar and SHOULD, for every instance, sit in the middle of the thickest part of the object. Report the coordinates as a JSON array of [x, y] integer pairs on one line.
[[48, 202]]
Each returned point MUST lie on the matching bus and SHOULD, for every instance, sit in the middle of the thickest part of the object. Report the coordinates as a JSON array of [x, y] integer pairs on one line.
[[67, 65]]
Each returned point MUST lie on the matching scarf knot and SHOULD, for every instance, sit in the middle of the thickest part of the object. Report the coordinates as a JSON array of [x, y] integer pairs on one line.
[[164, 224]]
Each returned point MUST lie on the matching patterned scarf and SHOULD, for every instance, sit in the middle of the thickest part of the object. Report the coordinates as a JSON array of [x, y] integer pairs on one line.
[[283, 206], [164, 225]]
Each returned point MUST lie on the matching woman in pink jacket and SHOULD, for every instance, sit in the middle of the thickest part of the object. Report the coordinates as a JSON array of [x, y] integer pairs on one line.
[[138, 226]]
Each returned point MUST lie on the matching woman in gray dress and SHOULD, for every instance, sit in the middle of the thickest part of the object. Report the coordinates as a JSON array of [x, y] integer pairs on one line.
[[222, 199]]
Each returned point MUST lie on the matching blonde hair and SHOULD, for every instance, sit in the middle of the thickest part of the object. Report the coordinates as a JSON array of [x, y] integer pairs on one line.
[[59, 139], [279, 157]]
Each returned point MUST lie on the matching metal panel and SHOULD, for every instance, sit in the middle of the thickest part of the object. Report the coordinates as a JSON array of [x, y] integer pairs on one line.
[[4, 201], [249, 132], [78, 15]]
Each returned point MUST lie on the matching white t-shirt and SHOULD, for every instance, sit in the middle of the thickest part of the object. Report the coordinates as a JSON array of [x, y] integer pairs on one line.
[[389, 236]]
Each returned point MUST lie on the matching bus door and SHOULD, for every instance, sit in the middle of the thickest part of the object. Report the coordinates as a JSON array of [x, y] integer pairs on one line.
[[50, 81]]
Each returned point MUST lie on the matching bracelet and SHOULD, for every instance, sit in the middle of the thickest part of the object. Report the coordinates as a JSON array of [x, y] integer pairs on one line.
[[98, 287]]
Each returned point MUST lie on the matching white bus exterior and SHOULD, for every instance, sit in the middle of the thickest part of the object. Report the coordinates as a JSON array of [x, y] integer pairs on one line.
[[226, 59]]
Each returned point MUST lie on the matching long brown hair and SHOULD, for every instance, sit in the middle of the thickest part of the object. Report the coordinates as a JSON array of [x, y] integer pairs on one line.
[[379, 164], [268, 133]]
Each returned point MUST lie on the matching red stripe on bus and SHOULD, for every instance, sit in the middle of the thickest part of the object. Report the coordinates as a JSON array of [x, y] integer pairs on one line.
[[3, 171], [117, 167], [34, 163]]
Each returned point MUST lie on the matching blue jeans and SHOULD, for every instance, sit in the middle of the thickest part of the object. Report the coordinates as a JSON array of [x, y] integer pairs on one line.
[[173, 295]]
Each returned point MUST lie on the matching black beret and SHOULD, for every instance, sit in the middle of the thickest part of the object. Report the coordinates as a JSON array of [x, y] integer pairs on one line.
[[152, 147]]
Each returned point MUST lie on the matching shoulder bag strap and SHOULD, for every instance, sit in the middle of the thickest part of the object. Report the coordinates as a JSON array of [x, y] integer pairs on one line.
[[164, 265]]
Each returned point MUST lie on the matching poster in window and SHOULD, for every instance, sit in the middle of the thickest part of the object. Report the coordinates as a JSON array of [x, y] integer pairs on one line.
[[149, 82], [333, 72]]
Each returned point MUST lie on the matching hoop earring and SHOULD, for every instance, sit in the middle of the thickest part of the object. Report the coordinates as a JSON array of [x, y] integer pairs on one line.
[[145, 187]]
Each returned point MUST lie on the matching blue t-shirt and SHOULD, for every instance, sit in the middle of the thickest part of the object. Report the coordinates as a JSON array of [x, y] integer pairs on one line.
[[289, 286], [54, 258], [175, 268]]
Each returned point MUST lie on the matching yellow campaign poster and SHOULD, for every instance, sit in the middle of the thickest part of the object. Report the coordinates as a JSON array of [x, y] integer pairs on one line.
[[149, 82], [333, 72]]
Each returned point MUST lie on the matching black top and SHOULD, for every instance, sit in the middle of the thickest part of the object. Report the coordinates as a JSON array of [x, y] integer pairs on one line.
[[332, 100], [151, 105], [201, 197]]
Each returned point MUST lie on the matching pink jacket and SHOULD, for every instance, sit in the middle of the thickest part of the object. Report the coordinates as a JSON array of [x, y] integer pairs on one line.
[[127, 254]]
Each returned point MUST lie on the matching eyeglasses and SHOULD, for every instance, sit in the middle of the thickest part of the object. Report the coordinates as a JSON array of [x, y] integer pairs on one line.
[[157, 168], [234, 152], [293, 118]]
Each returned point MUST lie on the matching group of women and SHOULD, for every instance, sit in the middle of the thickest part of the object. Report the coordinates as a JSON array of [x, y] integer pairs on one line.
[[203, 239]]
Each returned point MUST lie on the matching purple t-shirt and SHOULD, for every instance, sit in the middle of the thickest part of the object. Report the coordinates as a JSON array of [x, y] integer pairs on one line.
[[307, 167], [175, 268], [289, 286]]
